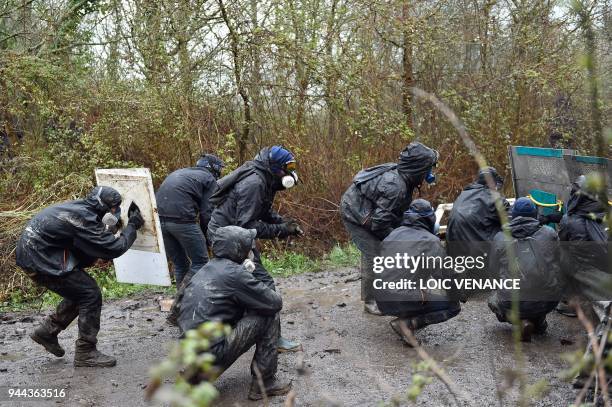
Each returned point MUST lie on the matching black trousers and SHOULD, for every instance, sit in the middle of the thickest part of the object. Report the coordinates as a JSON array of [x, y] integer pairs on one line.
[[81, 297], [258, 330], [534, 311]]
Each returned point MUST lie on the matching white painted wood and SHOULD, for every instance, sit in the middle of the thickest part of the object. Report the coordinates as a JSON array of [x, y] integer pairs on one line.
[[145, 262]]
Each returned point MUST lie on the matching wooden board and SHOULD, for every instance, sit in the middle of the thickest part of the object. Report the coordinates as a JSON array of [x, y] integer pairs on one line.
[[145, 262]]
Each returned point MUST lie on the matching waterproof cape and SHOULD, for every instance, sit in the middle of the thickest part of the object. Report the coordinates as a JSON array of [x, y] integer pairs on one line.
[[372, 172], [225, 184]]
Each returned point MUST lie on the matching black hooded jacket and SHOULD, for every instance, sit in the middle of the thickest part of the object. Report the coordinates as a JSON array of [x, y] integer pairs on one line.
[[69, 236], [378, 196], [537, 250], [586, 255], [184, 196], [244, 198], [414, 238], [223, 290]]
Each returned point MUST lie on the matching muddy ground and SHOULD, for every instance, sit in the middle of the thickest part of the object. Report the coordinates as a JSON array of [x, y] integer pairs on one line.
[[349, 358]]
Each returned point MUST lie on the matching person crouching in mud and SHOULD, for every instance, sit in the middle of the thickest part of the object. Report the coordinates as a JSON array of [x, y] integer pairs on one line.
[[537, 252], [415, 309], [54, 250], [225, 290], [245, 197], [373, 205]]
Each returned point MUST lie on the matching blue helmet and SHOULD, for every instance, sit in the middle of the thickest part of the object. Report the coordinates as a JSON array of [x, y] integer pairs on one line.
[[279, 157]]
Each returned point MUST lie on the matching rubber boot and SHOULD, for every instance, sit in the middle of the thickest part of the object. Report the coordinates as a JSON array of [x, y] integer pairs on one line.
[[564, 308], [371, 308], [272, 387], [86, 355], [527, 329], [399, 329], [286, 345], [42, 336], [540, 326]]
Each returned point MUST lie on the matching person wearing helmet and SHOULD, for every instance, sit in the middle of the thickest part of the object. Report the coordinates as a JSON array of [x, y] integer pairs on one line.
[[537, 252], [226, 291], [416, 308], [245, 197], [184, 212], [373, 205], [56, 247]]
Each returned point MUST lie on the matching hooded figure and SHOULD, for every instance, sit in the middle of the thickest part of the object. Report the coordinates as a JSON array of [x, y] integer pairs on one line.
[[586, 256], [537, 251], [416, 308], [474, 220], [55, 248], [373, 205], [225, 291], [245, 197], [586, 253], [184, 212]]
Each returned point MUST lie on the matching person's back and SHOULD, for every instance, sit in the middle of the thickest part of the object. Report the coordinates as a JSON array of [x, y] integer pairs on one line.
[[181, 195], [183, 204], [372, 206], [474, 220], [416, 307], [68, 236], [226, 291], [537, 252], [56, 247], [583, 226]]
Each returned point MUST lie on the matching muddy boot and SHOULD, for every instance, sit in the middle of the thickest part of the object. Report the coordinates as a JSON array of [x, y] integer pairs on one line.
[[564, 308], [540, 326], [42, 336], [527, 329], [397, 328], [172, 318], [91, 357], [285, 345], [371, 308], [273, 387]]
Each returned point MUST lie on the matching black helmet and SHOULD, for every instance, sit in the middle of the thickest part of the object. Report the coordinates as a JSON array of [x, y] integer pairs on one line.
[[212, 162], [104, 198]]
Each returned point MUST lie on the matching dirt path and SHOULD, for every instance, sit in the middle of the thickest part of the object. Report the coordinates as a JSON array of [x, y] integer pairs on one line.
[[349, 358]]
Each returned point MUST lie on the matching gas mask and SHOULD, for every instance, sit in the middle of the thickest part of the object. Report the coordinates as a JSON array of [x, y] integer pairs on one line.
[[112, 219], [290, 180], [248, 263], [109, 219]]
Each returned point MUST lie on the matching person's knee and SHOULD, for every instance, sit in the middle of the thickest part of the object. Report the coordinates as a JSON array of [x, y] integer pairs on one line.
[[92, 297]]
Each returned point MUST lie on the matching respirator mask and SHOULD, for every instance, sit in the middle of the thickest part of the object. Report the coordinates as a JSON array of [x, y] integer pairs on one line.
[[248, 263], [109, 219], [291, 178]]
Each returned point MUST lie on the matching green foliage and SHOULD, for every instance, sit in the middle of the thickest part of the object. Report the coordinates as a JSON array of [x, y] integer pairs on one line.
[[188, 359], [287, 263]]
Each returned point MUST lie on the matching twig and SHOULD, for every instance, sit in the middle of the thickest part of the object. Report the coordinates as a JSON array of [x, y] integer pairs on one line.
[[437, 370]]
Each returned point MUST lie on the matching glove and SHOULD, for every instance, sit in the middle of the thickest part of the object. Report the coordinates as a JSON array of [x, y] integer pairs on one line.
[[134, 216], [293, 228], [552, 218]]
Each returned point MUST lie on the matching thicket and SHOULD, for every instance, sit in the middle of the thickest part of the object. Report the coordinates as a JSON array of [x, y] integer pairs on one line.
[[86, 84]]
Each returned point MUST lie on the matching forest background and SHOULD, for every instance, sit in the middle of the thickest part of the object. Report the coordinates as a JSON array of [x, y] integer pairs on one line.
[[90, 84]]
